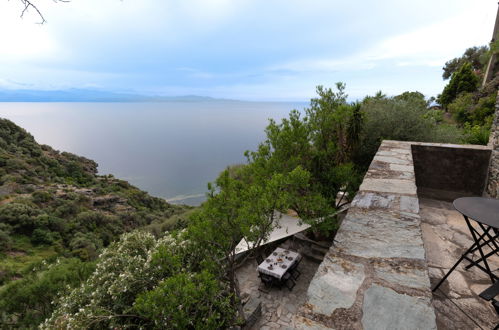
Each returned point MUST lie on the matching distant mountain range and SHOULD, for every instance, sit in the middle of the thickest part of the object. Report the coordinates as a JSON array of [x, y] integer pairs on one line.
[[89, 95]]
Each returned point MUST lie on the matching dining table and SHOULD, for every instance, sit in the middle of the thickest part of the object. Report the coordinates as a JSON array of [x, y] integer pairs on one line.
[[278, 262]]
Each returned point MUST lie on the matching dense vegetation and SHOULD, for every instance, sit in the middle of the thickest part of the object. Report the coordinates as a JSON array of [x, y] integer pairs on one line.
[[53, 206], [64, 267], [470, 103]]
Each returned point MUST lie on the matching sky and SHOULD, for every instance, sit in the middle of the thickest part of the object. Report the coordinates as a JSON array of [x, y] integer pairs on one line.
[[272, 50]]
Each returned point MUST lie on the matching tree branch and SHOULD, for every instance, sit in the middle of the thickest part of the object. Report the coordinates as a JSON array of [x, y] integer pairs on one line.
[[29, 4]]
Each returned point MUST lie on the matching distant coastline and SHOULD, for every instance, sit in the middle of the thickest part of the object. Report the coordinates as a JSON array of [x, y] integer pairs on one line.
[[91, 95]]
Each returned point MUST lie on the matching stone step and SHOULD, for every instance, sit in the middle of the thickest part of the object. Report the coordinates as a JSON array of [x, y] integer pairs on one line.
[[311, 255], [319, 249], [302, 237]]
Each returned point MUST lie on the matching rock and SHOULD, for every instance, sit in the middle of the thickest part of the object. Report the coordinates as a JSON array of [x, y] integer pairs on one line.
[[302, 323], [402, 168], [386, 309], [335, 285], [403, 274], [379, 234], [391, 160], [395, 186], [409, 204]]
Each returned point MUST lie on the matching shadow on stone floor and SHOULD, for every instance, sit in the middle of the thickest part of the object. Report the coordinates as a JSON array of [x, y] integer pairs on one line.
[[446, 237], [278, 305]]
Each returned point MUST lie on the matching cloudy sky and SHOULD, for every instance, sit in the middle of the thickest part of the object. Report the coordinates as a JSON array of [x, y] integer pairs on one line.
[[242, 49]]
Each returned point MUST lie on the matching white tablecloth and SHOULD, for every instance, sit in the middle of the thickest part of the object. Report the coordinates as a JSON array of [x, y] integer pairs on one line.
[[280, 260]]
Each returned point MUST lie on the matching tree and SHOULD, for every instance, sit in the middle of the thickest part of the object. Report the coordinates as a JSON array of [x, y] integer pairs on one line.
[[397, 118], [477, 56], [237, 209], [463, 80], [316, 150], [415, 97]]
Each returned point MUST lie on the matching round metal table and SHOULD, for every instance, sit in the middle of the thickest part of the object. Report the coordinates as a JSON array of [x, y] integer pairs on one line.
[[485, 212], [480, 209]]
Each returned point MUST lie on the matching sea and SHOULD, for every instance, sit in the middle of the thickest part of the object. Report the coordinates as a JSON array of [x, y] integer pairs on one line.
[[169, 149]]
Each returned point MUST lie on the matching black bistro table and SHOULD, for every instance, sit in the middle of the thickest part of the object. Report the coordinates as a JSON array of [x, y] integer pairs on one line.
[[485, 212]]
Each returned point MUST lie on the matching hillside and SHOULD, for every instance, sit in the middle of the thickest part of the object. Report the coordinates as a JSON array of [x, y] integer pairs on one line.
[[53, 205]]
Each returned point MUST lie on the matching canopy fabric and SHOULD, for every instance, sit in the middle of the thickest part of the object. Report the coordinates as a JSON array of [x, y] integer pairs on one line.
[[286, 225]]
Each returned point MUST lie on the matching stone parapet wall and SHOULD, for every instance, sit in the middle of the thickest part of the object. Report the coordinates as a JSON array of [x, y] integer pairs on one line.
[[493, 180], [375, 276], [448, 171]]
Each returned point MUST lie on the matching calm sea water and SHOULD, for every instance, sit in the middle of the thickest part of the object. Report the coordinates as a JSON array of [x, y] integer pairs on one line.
[[169, 149]]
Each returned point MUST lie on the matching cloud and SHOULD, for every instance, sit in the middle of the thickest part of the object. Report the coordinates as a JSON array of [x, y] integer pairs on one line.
[[249, 49]]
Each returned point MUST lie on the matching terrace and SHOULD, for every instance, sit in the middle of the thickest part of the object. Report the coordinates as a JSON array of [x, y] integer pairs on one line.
[[400, 236], [398, 239]]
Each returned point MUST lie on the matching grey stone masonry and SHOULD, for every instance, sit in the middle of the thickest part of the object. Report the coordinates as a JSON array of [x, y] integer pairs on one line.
[[375, 276], [493, 180]]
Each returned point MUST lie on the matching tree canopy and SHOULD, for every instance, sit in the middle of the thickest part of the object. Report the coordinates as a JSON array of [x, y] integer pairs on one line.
[[476, 56], [463, 80]]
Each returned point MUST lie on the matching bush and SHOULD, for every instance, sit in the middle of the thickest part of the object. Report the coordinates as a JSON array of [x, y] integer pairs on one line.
[[186, 301], [42, 236], [28, 301], [476, 134], [20, 216], [139, 279], [396, 119], [461, 107], [5, 241], [41, 196], [122, 273]]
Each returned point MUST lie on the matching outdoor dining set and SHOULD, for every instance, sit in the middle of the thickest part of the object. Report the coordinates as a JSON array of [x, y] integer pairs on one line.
[[485, 234], [279, 269]]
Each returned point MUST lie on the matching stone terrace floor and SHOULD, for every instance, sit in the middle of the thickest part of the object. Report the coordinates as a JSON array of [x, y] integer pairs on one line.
[[446, 237], [278, 306]]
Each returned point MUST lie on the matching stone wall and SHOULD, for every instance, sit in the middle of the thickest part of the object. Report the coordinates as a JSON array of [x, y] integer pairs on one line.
[[446, 172], [375, 276], [493, 180]]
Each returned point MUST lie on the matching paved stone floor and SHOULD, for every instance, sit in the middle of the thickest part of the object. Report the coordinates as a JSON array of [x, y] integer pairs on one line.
[[446, 237], [278, 306]]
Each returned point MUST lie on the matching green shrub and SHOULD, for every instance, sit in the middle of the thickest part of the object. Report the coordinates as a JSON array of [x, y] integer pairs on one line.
[[41, 196], [187, 301], [41, 236], [476, 134], [20, 216], [28, 301], [5, 241], [393, 119]]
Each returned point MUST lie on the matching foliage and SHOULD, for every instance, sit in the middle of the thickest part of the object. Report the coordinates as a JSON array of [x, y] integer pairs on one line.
[[435, 115], [396, 118], [139, 279], [54, 204], [186, 301], [28, 301], [463, 80], [476, 56], [476, 134], [415, 98]]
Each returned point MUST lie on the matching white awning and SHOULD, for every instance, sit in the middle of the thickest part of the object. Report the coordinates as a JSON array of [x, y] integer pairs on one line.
[[287, 226]]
